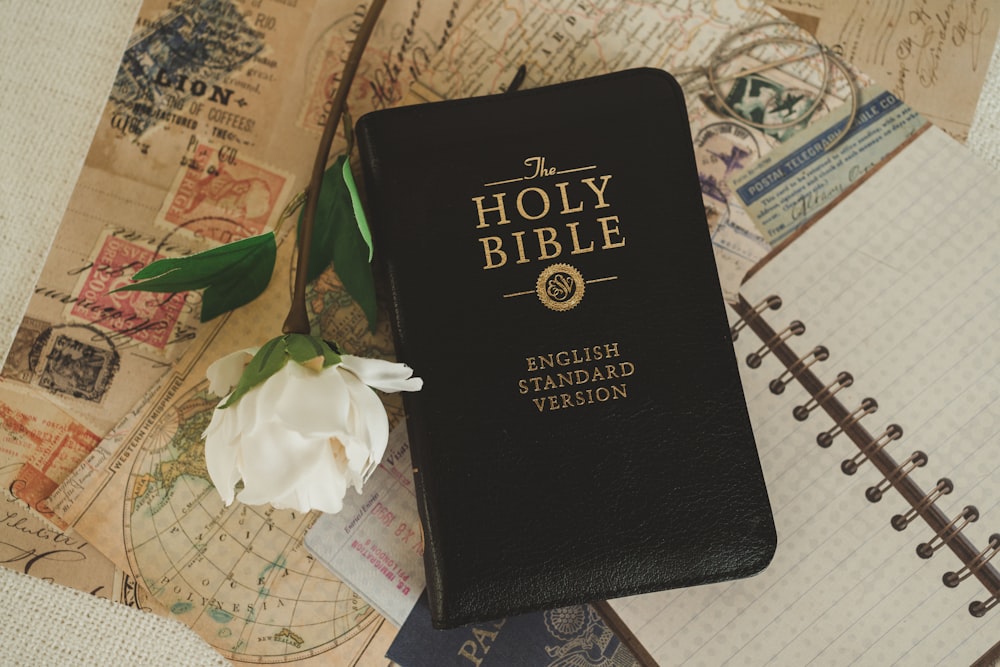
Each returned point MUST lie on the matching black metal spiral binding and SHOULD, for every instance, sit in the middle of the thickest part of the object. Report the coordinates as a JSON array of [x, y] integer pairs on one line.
[[979, 608], [773, 302], [953, 579], [868, 406], [916, 460], [943, 487], [875, 445], [874, 449], [818, 353], [968, 514], [801, 412], [796, 328]]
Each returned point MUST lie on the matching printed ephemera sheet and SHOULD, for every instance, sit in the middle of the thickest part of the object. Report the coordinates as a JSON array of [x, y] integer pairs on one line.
[[209, 133], [932, 53]]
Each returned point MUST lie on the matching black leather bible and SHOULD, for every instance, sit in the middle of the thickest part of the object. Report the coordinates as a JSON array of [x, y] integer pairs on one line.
[[582, 432]]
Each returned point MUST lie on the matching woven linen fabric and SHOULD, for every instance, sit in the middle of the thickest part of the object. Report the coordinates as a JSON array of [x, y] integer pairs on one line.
[[46, 625], [57, 62]]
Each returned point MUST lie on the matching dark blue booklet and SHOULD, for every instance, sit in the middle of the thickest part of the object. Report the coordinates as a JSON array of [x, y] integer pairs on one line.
[[574, 636]]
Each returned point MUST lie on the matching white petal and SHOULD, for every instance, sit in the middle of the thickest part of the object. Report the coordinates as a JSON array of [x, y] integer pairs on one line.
[[222, 452], [322, 488], [301, 437], [274, 460], [385, 375], [257, 405], [312, 402], [368, 423], [223, 374], [224, 426]]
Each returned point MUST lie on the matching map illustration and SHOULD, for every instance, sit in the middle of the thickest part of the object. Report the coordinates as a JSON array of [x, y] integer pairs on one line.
[[239, 576]]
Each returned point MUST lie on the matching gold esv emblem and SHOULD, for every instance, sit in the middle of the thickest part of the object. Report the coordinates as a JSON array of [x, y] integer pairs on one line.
[[560, 287]]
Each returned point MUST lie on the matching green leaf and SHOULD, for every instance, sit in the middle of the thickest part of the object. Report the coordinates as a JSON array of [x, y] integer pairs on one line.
[[248, 280], [273, 356], [187, 272], [231, 275], [328, 209], [359, 211], [337, 236]]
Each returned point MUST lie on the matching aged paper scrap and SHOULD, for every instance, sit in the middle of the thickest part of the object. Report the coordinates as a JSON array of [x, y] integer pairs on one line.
[[34, 546], [790, 185], [934, 54], [40, 445]]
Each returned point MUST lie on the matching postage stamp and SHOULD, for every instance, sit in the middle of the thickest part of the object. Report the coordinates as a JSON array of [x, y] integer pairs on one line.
[[186, 53], [399, 51], [722, 149], [48, 441], [763, 100], [17, 367], [143, 317], [326, 60], [34, 487], [71, 360], [67, 365], [781, 103], [223, 197]]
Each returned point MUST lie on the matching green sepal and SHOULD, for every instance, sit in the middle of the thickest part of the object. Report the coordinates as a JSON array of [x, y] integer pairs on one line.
[[273, 356], [338, 236], [232, 275], [303, 348], [270, 359]]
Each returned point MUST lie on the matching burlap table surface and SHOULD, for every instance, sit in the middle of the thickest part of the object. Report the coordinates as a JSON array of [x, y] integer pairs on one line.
[[56, 69]]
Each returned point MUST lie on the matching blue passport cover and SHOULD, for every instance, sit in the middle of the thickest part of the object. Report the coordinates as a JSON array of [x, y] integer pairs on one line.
[[564, 637]]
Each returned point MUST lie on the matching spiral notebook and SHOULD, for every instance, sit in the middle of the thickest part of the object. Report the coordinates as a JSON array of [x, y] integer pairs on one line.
[[869, 356]]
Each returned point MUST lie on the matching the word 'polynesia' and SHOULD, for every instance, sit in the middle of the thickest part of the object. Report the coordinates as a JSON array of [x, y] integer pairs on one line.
[[540, 243], [577, 377]]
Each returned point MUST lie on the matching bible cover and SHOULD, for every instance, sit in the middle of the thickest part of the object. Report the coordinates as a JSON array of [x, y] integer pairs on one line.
[[582, 432]]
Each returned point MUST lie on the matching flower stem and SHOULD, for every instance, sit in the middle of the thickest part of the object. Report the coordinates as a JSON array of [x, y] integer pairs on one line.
[[297, 320]]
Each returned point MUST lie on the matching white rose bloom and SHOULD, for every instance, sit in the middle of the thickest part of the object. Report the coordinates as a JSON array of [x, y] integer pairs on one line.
[[302, 436]]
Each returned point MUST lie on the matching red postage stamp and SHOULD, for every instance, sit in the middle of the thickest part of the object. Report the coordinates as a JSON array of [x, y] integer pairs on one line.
[[222, 196], [49, 442], [142, 316]]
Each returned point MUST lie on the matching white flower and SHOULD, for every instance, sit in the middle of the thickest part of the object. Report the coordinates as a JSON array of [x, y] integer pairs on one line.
[[302, 435]]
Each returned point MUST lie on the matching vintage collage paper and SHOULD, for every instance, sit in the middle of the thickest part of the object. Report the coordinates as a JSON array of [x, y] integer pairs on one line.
[[209, 132], [208, 135]]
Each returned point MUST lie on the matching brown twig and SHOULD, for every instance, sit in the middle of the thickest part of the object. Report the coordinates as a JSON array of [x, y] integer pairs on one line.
[[297, 320]]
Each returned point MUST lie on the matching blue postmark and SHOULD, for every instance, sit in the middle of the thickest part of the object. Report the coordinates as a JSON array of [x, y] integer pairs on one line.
[[186, 54]]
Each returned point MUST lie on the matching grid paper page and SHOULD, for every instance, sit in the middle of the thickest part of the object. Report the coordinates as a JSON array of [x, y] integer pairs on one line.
[[900, 281]]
